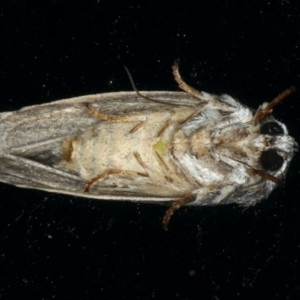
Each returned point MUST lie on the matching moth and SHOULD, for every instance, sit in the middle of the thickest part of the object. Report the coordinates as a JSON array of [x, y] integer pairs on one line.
[[180, 148]]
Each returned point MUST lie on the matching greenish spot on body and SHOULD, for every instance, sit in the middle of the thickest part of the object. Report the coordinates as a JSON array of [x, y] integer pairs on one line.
[[160, 147]]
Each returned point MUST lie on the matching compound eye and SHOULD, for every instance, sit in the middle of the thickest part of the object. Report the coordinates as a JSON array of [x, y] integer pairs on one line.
[[271, 160], [271, 128]]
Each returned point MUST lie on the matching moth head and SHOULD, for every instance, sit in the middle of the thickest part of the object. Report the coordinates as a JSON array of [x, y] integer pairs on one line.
[[277, 146], [255, 143]]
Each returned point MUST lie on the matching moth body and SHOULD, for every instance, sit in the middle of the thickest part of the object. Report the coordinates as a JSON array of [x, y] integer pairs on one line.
[[188, 147]]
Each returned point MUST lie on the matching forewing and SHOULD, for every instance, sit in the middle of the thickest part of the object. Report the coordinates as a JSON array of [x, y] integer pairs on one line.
[[31, 138]]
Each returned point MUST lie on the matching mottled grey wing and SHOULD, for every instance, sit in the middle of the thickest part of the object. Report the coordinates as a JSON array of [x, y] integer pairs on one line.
[[31, 138]]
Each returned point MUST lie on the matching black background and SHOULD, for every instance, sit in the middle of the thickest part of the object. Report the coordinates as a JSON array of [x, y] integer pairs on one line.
[[62, 247]]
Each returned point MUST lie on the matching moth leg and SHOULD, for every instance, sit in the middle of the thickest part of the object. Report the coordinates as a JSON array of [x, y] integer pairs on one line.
[[161, 161], [175, 205], [191, 116], [184, 86], [222, 193], [143, 96], [166, 124], [140, 161], [105, 175], [111, 118], [148, 98], [163, 128], [136, 127]]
